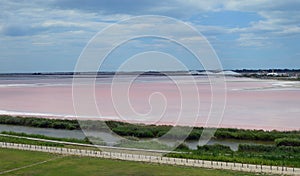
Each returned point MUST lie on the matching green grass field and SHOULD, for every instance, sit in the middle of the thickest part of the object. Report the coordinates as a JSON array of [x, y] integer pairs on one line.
[[72, 165]]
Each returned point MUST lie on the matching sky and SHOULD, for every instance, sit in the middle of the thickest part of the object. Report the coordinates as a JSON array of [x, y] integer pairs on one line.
[[49, 36]]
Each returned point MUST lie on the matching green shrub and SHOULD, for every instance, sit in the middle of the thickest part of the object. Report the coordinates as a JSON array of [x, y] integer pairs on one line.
[[214, 148], [182, 146], [287, 142]]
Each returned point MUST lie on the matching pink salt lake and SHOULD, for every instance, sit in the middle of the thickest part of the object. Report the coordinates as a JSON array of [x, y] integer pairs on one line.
[[250, 103]]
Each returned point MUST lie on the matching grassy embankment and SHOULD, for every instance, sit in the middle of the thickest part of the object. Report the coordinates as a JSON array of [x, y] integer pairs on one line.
[[81, 166]]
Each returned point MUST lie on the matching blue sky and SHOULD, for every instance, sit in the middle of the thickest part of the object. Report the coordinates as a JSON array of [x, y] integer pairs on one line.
[[45, 36]]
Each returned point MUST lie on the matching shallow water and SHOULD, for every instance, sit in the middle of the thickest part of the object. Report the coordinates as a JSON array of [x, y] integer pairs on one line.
[[77, 134], [112, 139]]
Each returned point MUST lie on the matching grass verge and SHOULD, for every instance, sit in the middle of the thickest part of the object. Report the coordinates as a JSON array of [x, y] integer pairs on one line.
[[81, 166]]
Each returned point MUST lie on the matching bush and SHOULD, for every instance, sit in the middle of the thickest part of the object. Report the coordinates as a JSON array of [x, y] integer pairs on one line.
[[287, 142], [256, 148], [217, 148], [182, 146]]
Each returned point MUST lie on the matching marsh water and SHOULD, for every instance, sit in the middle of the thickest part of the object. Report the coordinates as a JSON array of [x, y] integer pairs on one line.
[[111, 139]]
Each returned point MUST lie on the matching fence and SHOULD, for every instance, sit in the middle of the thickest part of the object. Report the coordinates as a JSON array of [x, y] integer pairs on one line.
[[158, 159]]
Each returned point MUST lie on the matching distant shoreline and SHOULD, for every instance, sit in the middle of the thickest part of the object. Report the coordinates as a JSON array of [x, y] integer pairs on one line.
[[246, 71], [273, 74]]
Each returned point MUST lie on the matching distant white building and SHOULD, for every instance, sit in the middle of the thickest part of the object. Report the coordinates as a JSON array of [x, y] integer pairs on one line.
[[272, 74], [194, 72], [207, 73], [229, 73], [203, 73]]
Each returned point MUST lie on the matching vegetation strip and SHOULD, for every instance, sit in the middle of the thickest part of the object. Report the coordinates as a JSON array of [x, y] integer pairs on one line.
[[250, 154], [145, 131]]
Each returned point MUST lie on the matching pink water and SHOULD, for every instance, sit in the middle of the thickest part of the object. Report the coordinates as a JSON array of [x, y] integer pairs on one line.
[[253, 104]]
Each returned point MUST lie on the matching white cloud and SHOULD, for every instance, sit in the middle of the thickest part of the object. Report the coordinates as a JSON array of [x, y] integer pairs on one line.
[[249, 39], [261, 5], [279, 18]]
